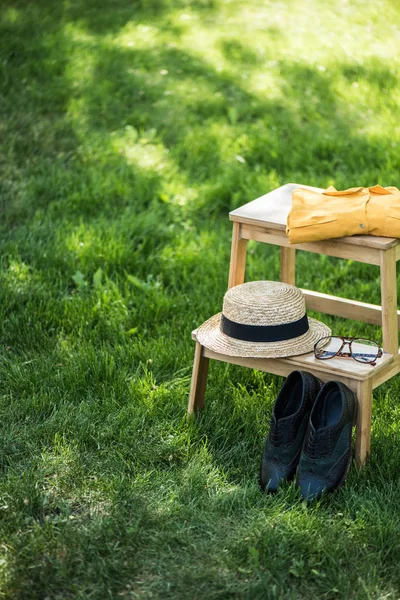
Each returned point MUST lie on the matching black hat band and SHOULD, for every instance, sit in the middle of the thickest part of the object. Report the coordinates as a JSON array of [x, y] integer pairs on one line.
[[264, 333]]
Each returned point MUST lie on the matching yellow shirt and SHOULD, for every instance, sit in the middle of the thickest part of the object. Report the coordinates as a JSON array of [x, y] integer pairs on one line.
[[331, 214]]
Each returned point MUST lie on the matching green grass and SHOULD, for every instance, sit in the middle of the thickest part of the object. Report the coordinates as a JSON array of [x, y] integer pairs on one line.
[[128, 130]]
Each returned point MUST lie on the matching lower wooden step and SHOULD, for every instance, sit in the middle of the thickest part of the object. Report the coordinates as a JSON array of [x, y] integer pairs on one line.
[[343, 369]]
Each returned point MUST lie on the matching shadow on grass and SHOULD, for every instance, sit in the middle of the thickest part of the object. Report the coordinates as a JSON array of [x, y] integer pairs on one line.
[[121, 12]]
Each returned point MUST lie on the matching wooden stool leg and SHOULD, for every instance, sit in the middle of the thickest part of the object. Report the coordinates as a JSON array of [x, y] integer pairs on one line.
[[389, 301], [288, 265], [199, 380], [238, 257], [363, 428]]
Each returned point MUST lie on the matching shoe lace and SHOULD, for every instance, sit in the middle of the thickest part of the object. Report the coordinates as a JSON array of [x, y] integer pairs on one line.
[[276, 433], [315, 443]]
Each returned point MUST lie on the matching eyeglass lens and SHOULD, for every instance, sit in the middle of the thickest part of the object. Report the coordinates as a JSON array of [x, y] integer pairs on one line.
[[328, 347], [362, 350]]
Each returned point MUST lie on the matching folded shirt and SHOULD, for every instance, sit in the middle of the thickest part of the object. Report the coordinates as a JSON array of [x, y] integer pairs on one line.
[[331, 214]]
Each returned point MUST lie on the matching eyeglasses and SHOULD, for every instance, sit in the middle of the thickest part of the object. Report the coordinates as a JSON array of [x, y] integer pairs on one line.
[[360, 349]]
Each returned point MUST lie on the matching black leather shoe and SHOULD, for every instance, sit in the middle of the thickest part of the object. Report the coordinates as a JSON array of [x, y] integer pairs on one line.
[[289, 421], [326, 455]]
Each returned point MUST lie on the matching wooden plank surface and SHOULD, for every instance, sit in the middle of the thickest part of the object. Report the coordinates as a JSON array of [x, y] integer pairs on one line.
[[272, 209], [199, 380], [389, 372], [326, 369], [237, 265], [343, 307], [389, 301], [288, 265], [363, 427], [338, 248]]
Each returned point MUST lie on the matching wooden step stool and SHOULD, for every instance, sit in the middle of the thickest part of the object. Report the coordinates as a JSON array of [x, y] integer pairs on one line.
[[264, 220]]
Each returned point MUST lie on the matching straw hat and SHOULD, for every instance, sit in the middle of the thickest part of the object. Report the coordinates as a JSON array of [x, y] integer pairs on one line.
[[262, 319]]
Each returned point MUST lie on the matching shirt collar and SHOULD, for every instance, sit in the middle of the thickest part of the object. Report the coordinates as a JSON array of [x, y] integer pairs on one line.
[[376, 189]]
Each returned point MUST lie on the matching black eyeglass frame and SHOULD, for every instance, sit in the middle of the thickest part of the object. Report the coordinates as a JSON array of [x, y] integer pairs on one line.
[[349, 341]]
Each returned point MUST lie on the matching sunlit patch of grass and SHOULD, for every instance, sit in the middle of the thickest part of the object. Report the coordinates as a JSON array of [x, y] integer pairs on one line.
[[11, 15], [137, 35], [141, 151], [18, 273]]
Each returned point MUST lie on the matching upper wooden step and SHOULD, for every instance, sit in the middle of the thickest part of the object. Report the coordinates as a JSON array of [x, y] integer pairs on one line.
[[272, 209]]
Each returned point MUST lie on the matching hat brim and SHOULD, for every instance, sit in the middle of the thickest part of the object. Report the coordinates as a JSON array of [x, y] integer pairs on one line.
[[210, 335]]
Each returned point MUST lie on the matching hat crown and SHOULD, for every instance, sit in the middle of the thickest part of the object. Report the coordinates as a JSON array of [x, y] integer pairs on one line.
[[264, 303]]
